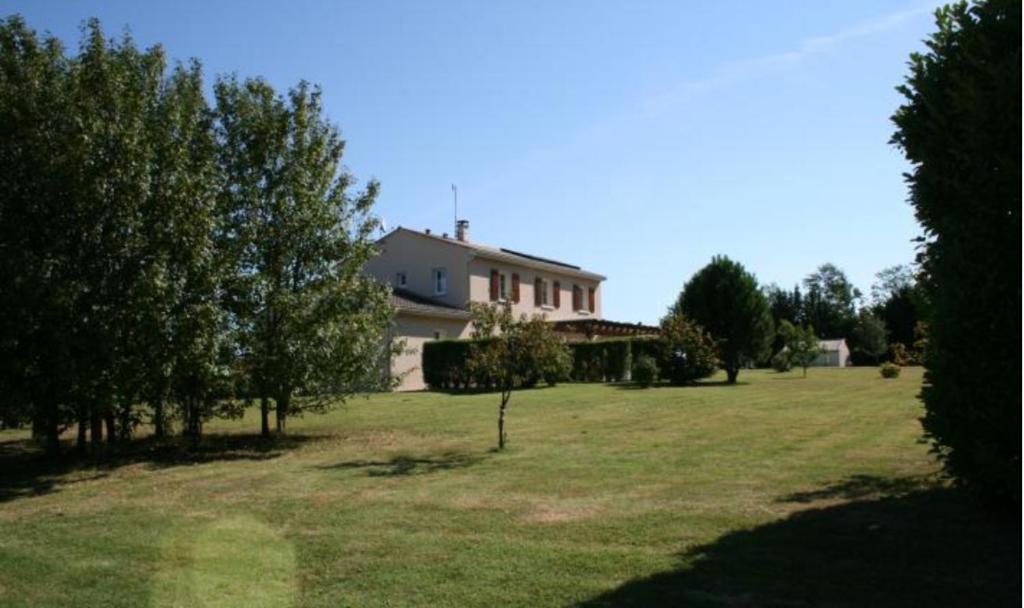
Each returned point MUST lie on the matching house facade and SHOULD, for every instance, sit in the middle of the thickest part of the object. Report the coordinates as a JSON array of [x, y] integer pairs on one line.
[[434, 278]]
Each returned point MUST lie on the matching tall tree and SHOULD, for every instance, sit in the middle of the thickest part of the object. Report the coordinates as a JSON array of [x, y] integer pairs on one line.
[[309, 323], [192, 349], [960, 127], [38, 282], [869, 335], [830, 304], [889, 281], [784, 306], [898, 301], [725, 300]]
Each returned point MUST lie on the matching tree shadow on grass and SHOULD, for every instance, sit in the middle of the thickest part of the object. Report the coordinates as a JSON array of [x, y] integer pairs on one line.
[[633, 386], [401, 466], [862, 486], [27, 472], [924, 547]]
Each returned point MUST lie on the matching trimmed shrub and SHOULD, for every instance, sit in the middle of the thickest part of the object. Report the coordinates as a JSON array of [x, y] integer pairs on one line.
[[445, 365], [645, 371], [781, 362], [587, 361], [616, 360], [600, 361], [890, 370], [689, 352], [557, 366]]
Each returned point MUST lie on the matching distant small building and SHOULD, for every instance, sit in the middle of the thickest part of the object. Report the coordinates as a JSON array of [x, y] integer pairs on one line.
[[834, 353]]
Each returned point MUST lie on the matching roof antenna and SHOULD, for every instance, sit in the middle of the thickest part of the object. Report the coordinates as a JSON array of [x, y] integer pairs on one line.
[[455, 196]]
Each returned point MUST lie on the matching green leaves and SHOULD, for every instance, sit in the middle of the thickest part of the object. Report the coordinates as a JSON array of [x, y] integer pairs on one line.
[[960, 128], [154, 249], [725, 300], [308, 322]]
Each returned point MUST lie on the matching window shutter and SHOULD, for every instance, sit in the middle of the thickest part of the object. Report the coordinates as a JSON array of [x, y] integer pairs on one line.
[[556, 295], [494, 285], [515, 287], [591, 299], [537, 287]]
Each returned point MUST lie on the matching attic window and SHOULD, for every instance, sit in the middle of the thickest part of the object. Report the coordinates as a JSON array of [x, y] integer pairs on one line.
[[440, 280]]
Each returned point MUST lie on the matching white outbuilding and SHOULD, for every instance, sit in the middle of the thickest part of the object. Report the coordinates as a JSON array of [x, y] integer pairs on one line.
[[834, 353]]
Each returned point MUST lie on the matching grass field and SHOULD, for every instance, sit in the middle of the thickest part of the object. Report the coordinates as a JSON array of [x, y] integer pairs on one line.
[[779, 491]]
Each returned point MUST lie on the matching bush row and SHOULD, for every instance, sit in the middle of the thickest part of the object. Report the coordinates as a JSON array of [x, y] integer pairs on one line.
[[445, 365], [445, 362]]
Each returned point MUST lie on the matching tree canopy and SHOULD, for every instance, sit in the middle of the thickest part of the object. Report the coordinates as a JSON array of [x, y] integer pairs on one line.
[[960, 127], [145, 235], [725, 300]]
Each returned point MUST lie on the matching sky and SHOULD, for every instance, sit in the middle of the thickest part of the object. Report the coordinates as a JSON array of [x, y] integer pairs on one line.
[[635, 139]]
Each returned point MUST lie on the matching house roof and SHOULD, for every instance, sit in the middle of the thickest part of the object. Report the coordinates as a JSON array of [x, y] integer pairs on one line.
[[602, 327], [412, 302], [505, 255]]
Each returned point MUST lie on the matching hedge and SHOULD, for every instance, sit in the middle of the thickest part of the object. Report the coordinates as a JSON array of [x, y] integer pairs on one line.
[[444, 365], [601, 361], [444, 361]]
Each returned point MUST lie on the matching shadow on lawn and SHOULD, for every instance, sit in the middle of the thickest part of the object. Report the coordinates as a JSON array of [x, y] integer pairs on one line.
[[401, 466], [27, 472], [633, 386], [926, 546]]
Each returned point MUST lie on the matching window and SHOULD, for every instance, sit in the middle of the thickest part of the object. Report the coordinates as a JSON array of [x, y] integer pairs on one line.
[[502, 287], [400, 279], [438, 334], [440, 280], [544, 301]]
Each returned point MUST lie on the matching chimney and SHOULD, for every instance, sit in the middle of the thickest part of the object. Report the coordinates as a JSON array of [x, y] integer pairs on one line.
[[462, 230]]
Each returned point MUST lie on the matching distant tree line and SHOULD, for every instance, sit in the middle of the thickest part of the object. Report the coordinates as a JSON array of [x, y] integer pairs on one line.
[[890, 326], [165, 260], [754, 325]]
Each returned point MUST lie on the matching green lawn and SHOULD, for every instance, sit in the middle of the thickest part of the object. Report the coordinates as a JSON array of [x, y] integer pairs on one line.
[[779, 491]]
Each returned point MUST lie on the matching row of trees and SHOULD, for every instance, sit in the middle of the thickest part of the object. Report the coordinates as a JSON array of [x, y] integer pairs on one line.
[[167, 260], [753, 325], [889, 325]]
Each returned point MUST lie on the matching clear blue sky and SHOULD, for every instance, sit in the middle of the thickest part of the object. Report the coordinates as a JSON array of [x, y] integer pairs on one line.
[[636, 139]]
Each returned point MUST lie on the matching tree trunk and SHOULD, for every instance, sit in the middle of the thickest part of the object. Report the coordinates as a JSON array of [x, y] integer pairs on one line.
[[731, 373], [46, 429], [81, 443], [159, 420], [501, 420], [282, 411], [193, 423], [95, 429], [108, 420], [53, 434], [264, 416]]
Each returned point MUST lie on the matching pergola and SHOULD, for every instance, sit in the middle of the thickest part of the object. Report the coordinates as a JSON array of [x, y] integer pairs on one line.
[[600, 328]]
